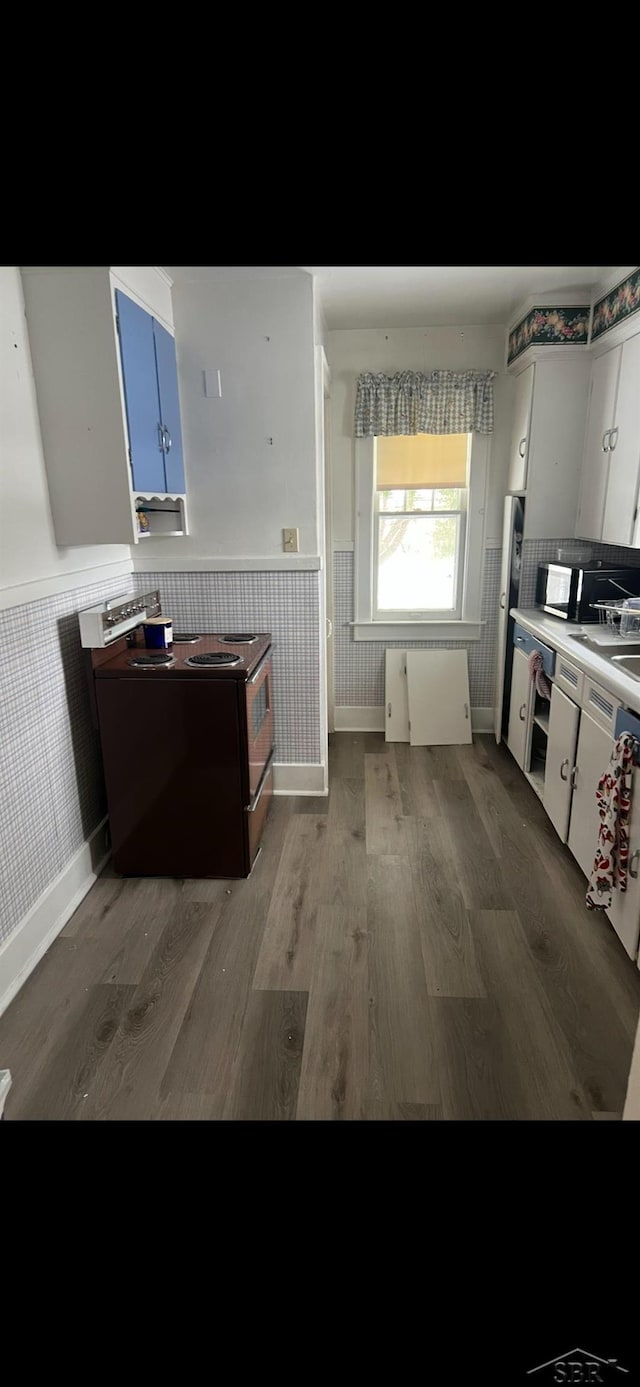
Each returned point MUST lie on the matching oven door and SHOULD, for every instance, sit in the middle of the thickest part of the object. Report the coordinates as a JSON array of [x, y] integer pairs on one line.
[[259, 722]]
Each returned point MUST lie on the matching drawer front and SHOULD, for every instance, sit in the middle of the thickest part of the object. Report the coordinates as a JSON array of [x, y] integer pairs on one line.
[[523, 640], [259, 723], [257, 815], [600, 705], [627, 722], [569, 678]]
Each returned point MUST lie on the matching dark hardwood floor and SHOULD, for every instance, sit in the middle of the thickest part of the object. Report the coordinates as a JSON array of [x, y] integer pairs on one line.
[[414, 947]]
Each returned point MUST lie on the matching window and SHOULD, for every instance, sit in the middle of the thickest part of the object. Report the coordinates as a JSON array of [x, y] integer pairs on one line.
[[419, 537], [420, 504]]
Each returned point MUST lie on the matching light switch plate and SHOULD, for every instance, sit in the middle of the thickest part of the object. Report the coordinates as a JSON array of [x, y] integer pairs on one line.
[[291, 541]]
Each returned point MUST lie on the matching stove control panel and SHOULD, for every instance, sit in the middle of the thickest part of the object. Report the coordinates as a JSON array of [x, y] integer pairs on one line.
[[101, 625]]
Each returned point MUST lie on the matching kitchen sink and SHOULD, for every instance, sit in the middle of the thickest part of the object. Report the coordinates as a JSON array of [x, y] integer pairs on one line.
[[630, 663], [612, 650]]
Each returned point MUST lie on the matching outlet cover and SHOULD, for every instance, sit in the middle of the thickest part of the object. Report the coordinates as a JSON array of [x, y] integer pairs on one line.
[[291, 541]]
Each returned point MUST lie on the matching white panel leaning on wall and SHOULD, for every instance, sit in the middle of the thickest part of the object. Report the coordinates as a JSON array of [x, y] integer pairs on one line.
[[427, 697]]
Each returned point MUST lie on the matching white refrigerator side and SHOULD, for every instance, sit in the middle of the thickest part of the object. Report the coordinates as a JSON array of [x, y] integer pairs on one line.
[[503, 613]]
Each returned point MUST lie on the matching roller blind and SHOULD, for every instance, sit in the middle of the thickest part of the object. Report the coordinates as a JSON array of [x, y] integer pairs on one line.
[[421, 461]]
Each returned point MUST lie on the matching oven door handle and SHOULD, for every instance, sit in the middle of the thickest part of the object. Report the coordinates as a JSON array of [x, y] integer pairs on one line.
[[258, 672], [263, 781]]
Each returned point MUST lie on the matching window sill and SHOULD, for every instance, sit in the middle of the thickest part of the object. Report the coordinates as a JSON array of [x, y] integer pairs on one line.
[[417, 630]]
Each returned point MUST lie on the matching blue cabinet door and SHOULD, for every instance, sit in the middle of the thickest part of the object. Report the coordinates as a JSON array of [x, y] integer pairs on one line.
[[169, 408], [137, 352]]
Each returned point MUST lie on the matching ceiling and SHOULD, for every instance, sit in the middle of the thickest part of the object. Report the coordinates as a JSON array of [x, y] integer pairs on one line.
[[366, 296], [357, 296]]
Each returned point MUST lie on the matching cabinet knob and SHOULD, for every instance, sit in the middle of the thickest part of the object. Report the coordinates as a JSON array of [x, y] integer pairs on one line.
[[523, 712], [605, 445], [522, 447], [613, 439], [503, 600]]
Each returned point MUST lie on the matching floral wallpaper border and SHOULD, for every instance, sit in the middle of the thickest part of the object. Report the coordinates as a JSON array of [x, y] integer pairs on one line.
[[618, 304], [550, 327]]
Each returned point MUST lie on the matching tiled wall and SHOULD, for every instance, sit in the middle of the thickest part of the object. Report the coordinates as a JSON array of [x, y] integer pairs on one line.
[[535, 551], [359, 666], [51, 787], [286, 604]]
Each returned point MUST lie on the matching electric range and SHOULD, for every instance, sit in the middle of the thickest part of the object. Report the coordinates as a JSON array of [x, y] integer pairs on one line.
[[187, 740]]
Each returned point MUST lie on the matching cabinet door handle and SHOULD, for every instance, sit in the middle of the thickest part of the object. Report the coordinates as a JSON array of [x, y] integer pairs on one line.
[[563, 767], [520, 640], [503, 600], [573, 777], [613, 438], [632, 859], [523, 712], [606, 434], [167, 438], [522, 446], [161, 438]]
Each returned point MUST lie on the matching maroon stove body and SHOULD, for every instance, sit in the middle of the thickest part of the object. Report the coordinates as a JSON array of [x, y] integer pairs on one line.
[[188, 755]]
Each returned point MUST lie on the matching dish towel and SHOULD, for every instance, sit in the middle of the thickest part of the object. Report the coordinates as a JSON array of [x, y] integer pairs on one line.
[[538, 676], [613, 796]]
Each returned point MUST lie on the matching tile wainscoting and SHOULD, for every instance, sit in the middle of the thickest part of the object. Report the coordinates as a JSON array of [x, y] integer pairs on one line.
[[287, 605], [359, 667], [51, 787], [535, 551]]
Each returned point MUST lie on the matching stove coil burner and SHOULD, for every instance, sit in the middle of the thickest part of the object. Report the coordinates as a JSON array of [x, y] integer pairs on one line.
[[160, 661], [237, 640], [216, 660], [185, 638]]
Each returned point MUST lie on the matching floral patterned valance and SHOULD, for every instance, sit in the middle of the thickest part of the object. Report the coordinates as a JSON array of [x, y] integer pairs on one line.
[[413, 402], [549, 327], [618, 304]]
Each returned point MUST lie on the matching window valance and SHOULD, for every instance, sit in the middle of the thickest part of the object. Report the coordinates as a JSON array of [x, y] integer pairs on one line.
[[413, 402]]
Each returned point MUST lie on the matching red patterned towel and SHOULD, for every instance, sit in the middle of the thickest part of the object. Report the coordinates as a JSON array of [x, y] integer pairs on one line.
[[538, 676], [614, 805]]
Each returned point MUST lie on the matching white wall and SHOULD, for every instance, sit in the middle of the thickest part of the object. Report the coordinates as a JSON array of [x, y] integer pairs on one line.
[[30, 561], [414, 349], [258, 331]]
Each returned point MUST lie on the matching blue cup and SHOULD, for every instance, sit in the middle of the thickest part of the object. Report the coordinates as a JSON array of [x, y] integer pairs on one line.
[[158, 633]]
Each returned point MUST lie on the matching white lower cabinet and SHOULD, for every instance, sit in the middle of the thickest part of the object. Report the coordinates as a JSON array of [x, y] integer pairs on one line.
[[519, 732], [561, 747], [625, 908], [594, 751]]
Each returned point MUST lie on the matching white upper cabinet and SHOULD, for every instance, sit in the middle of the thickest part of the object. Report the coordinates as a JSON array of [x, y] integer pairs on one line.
[[554, 442], [107, 390], [624, 450], [611, 464], [520, 432], [595, 466]]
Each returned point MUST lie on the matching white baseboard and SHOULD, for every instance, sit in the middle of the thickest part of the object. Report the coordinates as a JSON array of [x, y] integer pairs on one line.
[[301, 778], [359, 719], [355, 719], [32, 937]]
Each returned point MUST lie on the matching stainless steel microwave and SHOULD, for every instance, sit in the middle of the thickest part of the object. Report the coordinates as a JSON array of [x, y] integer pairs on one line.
[[567, 591]]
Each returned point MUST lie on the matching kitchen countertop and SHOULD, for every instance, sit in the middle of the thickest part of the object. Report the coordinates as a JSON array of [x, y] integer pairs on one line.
[[559, 635]]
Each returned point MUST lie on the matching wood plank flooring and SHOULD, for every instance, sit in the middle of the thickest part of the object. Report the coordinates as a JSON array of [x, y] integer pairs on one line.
[[415, 947]]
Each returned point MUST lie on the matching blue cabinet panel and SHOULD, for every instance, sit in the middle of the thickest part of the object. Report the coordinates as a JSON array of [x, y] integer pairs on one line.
[[169, 407], [523, 640], [142, 402]]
